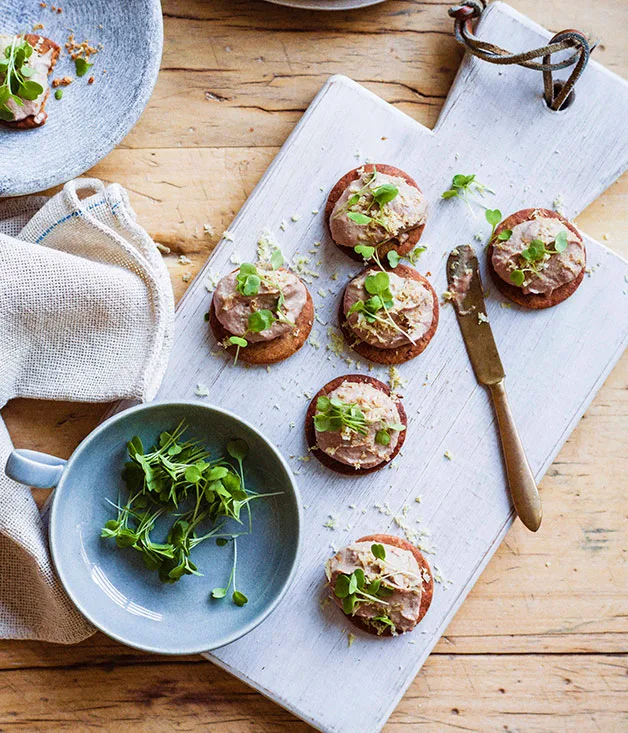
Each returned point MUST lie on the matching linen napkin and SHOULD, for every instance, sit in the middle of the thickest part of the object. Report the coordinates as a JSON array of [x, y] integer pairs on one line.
[[86, 314]]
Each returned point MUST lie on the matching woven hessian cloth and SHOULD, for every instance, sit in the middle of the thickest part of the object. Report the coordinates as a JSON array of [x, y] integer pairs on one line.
[[86, 314]]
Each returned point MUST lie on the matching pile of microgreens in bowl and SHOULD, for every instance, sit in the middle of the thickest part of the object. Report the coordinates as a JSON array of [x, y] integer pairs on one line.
[[177, 480]]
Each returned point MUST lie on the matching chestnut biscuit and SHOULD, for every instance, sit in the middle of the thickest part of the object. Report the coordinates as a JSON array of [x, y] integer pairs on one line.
[[413, 235], [534, 301], [400, 354], [310, 432]]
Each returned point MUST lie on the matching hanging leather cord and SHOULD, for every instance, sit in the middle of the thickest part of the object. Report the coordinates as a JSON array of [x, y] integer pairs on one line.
[[555, 94]]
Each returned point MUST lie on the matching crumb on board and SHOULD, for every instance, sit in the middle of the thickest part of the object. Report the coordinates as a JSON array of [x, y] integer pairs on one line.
[[211, 280], [395, 381]]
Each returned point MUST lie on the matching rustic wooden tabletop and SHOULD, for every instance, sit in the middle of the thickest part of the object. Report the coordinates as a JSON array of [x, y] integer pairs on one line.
[[541, 643]]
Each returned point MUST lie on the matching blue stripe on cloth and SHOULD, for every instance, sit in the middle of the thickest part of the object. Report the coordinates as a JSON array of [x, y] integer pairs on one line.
[[71, 215]]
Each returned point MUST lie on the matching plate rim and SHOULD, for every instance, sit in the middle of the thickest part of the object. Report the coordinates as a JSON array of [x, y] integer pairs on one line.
[[150, 73], [228, 639], [336, 5]]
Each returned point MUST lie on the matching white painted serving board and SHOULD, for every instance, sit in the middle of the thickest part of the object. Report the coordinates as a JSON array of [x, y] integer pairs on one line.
[[496, 125]]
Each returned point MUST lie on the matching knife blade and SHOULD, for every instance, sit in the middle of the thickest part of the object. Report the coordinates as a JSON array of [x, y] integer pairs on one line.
[[467, 297], [465, 286]]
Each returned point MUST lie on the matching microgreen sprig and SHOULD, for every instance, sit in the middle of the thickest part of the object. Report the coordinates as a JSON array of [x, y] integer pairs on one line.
[[493, 217], [248, 282], [177, 473], [383, 434], [249, 278], [332, 414], [353, 590], [378, 287], [466, 188], [385, 621], [237, 597], [15, 76], [536, 255], [239, 343]]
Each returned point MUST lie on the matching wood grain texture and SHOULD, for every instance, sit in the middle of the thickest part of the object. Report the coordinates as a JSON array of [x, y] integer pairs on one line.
[[527, 623]]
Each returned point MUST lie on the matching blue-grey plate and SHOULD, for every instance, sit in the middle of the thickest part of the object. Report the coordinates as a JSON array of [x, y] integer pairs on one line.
[[111, 586], [90, 120]]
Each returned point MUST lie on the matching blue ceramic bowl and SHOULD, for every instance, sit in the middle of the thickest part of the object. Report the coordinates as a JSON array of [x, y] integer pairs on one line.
[[111, 586]]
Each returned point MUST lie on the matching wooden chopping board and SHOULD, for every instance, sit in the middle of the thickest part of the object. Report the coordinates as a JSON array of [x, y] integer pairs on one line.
[[496, 125]]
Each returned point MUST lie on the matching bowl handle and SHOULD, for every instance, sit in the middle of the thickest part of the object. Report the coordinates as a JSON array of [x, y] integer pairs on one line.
[[35, 469]]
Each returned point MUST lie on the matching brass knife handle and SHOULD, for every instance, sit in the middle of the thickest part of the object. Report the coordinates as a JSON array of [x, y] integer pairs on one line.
[[523, 489]]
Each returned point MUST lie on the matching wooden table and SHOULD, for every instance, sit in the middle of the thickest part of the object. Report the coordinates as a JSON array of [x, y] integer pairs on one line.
[[541, 642]]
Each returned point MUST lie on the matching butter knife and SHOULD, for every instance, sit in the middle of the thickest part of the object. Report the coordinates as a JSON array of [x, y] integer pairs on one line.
[[465, 287]]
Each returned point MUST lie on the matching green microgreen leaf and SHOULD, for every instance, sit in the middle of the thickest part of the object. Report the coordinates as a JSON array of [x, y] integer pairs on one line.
[[416, 254], [193, 474], [261, 320], [353, 584], [393, 258], [248, 280], [348, 604], [82, 66], [360, 219], [382, 437], [276, 259], [385, 193], [377, 284], [239, 343], [238, 449], [379, 551], [341, 587], [365, 250], [536, 250], [493, 217], [384, 620], [560, 244], [517, 277], [504, 235], [239, 598], [466, 187]]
